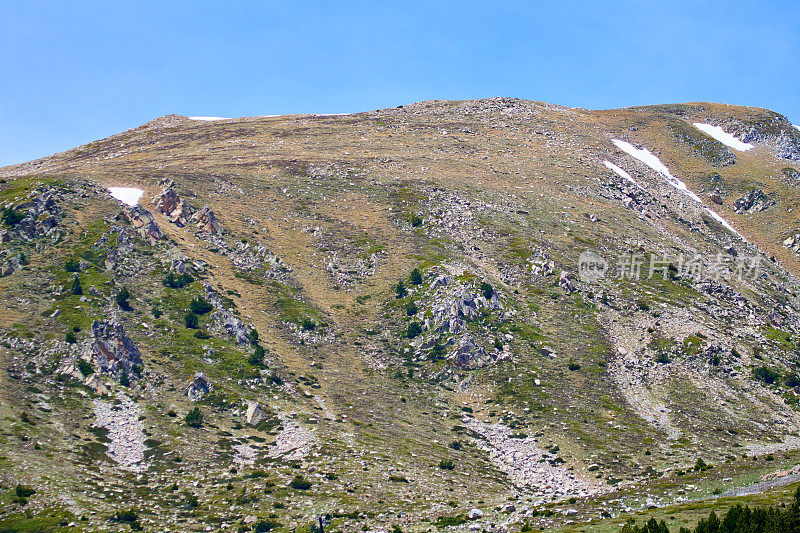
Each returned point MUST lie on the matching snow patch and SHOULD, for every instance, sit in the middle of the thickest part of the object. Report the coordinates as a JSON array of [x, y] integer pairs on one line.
[[645, 156], [621, 173], [796, 126], [208, 119], [725, 138], [127, 195]]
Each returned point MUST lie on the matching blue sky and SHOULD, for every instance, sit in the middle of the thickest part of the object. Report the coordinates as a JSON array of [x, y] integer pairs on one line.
[[77, 71]]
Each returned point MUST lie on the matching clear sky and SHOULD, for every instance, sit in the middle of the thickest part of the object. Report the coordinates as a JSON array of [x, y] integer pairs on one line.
[[77, 71]]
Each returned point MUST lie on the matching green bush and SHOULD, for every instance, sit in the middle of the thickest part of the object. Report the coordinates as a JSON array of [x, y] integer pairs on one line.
[[125, 516], [190, 320], [76, 288], [300, 483], [257, 357], [11, 217], [411, 309], [307, 324], [487, 290], [122, 299], [200, 307], [267, 525], [124, 380], [85, 367], [574, 366], [415, 221], [415, 277], [437, 351], [72, 265], [446, 464], [23, 491], [414, 329], [400, 290], [766, 375], [70, 337], [194, 418], [177, 282], [202, 335]]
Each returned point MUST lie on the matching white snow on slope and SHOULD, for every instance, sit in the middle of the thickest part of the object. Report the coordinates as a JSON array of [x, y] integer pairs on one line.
[[716, 216], [645, 156], [621, 173], [126, 195], [725, 138], [796, 126], [208, 119]]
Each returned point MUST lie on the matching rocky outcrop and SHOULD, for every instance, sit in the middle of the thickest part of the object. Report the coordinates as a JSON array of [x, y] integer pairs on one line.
[[469, 356], [198, 388], [144, 223], [752, 202], [207, 221], [465, 305], [109, 350], [171, 205], [224, 321]]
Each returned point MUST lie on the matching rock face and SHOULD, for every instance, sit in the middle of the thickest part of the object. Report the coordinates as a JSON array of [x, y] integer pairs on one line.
[[110, 350], [198, 388], [207, 221], [170, 204], [753, 202], [144, 223]]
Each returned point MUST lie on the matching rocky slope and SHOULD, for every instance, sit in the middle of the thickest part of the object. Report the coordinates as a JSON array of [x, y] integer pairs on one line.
[[481, 315]]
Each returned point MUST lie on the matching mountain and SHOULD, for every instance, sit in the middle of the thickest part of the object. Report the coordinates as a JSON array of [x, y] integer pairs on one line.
[[490, 315]]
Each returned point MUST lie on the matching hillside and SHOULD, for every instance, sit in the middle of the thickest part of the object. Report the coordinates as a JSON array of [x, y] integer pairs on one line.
[[485, 315]]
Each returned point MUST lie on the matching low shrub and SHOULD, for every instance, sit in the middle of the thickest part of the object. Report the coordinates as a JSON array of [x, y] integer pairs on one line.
[[300, 483], [194, 418]]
